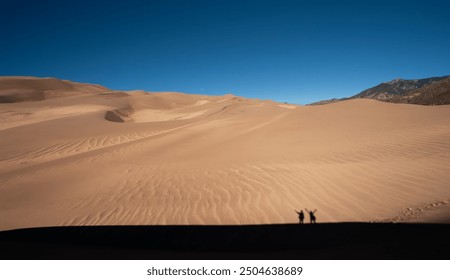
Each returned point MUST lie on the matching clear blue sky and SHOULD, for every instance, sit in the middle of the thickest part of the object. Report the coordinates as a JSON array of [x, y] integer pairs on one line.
[[293, 51]]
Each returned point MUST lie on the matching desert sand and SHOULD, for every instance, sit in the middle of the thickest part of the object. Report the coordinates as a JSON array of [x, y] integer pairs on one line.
[[78, 154]]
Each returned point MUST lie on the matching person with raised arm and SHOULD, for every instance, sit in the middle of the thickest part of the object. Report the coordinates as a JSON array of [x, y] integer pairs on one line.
[[301, 216], [312, 217]]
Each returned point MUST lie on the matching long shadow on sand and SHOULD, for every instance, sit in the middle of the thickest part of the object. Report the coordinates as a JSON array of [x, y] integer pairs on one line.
[[280, 241]]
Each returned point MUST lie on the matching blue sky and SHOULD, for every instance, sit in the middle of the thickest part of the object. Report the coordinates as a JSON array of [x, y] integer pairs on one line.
[[288, 51]]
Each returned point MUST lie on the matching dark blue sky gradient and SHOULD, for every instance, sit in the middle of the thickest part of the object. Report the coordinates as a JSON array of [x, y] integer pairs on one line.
[[294, 51]]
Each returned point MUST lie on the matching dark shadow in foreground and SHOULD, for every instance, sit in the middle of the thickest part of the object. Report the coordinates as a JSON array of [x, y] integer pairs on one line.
[[279, 241]]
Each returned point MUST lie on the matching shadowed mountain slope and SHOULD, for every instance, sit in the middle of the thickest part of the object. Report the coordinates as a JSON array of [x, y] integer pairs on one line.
[[430, 91]]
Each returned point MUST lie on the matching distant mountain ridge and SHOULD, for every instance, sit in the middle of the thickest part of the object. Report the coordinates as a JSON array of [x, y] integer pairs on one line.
[[429, 91]]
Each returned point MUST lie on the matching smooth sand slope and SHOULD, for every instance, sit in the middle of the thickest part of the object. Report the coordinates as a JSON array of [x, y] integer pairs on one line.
[[172, 158]]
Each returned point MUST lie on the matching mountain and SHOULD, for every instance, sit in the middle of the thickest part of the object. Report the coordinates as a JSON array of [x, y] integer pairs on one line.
[[430, 91]]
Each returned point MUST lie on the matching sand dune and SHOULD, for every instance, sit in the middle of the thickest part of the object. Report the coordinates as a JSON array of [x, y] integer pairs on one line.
[[23, 89], [193, 159]]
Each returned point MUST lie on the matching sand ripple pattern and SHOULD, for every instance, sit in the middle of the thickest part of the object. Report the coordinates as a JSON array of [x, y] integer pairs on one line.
[[69, 148], [258, 193]]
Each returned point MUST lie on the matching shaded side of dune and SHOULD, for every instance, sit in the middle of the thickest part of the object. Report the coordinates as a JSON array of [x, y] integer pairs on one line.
[[283, 241]]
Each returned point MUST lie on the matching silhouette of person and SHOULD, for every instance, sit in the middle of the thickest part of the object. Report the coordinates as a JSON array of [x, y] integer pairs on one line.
[[301, 216], [312, 218]]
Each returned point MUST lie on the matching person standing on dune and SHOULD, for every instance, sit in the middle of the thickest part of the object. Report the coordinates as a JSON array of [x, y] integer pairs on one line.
[[312, 217], [301, 216]]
